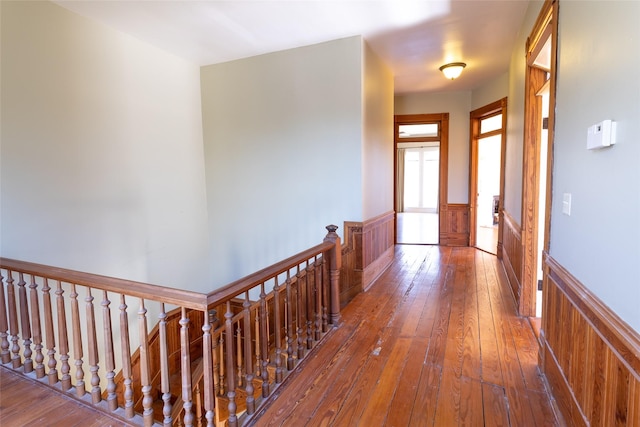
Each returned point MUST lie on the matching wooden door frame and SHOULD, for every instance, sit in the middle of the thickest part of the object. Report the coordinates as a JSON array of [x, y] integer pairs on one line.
[[443, 137], [546, 26], [475, 117]]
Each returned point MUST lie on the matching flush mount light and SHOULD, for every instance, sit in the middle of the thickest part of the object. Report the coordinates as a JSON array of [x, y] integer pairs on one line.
[[452, 70]]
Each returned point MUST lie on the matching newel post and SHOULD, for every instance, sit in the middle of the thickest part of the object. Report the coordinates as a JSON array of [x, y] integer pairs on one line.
[[334, 257]]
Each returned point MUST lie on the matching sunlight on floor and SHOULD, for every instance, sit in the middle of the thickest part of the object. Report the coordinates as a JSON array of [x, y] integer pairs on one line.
[[418, 228], [487, 238]]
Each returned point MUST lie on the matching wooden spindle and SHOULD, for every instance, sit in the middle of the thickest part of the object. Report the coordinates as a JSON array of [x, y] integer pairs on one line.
[[264, 341], [299, 320], [96, 393], [216, 366], [49, 336], [197, 400], [25, 325], [63, 338], [110, 365], [223, 380], [289, 322], [77, 342], [239, 376], [318, 293], [247, 355], [5, 356], [35, 327], [164, 368], [231, 387], [208, 382], [278, 331], [256, 332], [16, 360], [125, 350], [145, 371], [323, 290], [309, 293], [185, 364]]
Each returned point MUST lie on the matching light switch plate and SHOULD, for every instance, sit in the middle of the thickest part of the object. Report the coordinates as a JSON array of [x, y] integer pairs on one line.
[[566, 203]]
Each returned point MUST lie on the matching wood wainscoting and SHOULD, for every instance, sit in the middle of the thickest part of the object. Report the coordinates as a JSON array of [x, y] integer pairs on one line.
[[591, 358], [454, 224], [512, 254], [368, 252]]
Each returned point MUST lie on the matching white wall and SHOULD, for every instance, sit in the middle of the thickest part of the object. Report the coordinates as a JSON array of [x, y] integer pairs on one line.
[[515, 116], [491, 91], [101, 166], [458, 105], [283, 142], [598, 79], [377, 143]]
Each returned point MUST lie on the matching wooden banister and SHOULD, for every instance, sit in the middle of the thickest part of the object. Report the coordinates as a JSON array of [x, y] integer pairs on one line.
[[241, 286], [178, 297], [225, 368]]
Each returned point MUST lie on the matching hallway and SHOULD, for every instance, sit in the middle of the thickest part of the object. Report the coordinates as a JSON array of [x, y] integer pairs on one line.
[[434, 342]]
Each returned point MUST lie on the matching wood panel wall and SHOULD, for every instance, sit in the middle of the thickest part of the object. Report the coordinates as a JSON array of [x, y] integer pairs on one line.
[[350, 276], [454, 224], [512, 254], [591, 358], [369, 251]]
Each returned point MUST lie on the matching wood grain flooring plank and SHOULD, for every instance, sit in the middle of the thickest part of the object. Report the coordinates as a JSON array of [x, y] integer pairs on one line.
[[502, 303], [424, 408], [528, 349], [440, 330], [448, 401], [489, 359], [471, 353], [399, 413], [331, 391], [387, 385], [543, 414], [495, 406], [27, 402], [471, 409], [454, 346], [356, 401]]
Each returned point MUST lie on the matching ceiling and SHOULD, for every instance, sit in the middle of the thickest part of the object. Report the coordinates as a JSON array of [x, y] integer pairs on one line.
[[414, 37]]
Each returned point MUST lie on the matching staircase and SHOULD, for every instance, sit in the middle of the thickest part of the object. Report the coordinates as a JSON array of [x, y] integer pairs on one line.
[[76, 331]]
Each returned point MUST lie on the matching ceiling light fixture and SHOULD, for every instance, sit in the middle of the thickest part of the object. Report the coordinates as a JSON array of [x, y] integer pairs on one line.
[[452, 70]]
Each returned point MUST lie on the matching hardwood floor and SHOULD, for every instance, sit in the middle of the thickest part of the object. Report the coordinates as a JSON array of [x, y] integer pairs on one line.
[[24, 402], [434, 342], [417, 228]]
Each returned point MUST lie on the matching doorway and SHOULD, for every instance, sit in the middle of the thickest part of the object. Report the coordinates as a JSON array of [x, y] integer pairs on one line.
[[539, 118], [420, 151], [488, 141], [418, 222]]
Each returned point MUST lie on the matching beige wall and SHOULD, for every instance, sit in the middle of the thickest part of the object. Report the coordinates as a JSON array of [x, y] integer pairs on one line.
[[515, 116], [377, 141], [458, 105], [491, 91], [598, 62], [283, 152], [101, 164]]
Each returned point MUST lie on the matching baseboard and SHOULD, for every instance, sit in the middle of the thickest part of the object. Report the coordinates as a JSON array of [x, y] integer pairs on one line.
[[376, 268]]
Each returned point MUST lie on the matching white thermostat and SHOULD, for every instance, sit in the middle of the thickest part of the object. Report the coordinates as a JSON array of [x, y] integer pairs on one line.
[[601, 135]]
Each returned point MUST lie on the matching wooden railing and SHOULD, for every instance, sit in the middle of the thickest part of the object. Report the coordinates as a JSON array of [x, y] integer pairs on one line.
[[272, 318]]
